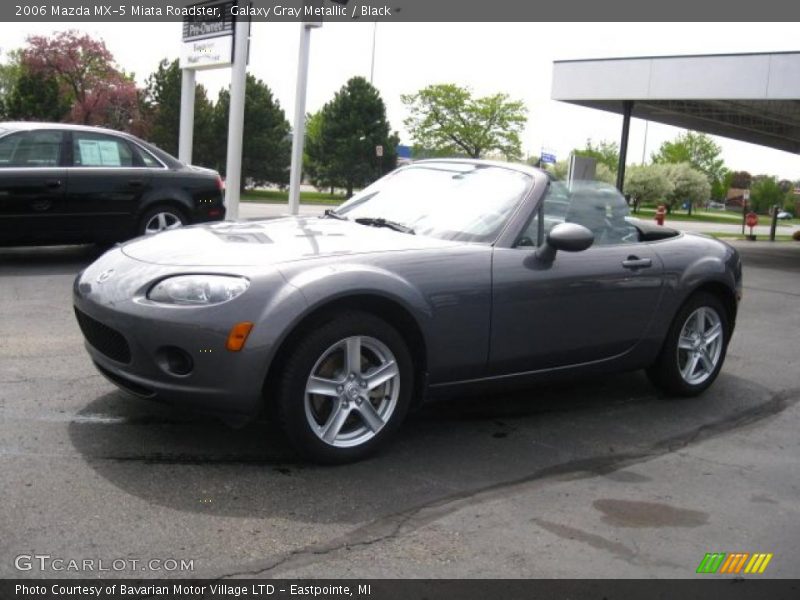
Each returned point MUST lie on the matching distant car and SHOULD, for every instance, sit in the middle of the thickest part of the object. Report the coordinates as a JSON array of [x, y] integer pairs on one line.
[[442, 276], [716, 205], [72, 184], [784, 215]]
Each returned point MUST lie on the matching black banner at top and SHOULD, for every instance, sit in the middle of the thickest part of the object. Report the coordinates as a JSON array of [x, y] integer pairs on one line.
[[406, 10]]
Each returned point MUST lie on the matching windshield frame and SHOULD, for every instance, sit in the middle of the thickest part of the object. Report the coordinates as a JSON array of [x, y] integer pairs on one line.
[[534, 180]]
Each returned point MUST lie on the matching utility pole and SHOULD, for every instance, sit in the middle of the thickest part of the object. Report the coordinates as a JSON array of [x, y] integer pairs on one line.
[[372, 64]]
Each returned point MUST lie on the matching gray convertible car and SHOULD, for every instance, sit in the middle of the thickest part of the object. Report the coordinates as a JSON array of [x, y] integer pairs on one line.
[[442, 277]]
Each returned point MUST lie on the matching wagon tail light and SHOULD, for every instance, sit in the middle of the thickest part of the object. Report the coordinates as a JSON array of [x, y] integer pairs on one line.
[[238, 336]]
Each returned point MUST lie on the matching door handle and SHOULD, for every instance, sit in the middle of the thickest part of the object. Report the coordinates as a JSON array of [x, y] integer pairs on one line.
[[53, 183], [135, 182], [634, 262]]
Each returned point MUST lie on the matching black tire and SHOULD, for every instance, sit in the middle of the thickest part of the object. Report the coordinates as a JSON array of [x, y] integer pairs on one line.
[[665, 373], [167, 209], [292, 402]]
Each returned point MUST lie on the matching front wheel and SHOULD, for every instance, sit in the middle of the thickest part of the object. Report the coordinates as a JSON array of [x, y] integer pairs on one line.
[[346, 388], [695, 347]]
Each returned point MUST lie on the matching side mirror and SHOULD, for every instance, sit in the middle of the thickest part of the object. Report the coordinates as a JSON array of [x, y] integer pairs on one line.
[[569, 237]]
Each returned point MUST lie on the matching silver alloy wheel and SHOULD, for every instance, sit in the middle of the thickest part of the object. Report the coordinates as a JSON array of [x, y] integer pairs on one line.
[[352, 391], [161, 221], [700, 345]]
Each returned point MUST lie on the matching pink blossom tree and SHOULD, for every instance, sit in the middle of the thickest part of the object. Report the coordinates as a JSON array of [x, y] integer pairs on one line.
[[99, 92]]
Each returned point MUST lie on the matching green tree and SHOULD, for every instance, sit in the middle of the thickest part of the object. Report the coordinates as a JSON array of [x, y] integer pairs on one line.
[[315, 167], [561, 168], [344, 137], [558, 169], [688, 185], [26, 95], [446, 118], [605, 153], [162, 109], [697, 149], [648, 183], [604, 174], [266, 149], [766, 192]]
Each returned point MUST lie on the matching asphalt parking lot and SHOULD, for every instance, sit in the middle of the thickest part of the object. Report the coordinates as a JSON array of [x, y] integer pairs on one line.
[[602, 478]]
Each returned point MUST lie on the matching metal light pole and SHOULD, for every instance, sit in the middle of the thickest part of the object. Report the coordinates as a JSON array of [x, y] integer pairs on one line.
[[644, 145], [187, 117], [299, 129], [372, 64], [233, 169]]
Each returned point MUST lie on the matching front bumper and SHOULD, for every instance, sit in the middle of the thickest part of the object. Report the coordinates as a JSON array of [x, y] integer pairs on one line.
[[219, 381], [129, 341]]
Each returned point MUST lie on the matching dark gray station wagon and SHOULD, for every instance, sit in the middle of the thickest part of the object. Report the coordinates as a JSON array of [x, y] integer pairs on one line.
[[67, 183]]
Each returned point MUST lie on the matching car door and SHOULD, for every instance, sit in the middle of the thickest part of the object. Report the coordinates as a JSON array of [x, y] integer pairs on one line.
[[105, 183], [582, 306], [32, 185]]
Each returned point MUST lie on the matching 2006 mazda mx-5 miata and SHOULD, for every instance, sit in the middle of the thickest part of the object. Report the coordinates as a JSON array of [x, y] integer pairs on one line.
[[442, 276]]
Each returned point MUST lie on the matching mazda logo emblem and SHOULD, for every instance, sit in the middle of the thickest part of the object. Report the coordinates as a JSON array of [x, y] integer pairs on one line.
[[105, 276]]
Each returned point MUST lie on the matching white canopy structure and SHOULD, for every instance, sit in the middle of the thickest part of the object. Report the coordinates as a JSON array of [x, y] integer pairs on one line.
[[750, 97]]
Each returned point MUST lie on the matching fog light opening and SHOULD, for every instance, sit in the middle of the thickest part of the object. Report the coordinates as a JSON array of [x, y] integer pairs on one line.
[[175, 360], [238, 336]]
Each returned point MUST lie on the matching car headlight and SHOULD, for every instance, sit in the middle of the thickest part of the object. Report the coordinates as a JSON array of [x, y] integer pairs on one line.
[[198, 290]]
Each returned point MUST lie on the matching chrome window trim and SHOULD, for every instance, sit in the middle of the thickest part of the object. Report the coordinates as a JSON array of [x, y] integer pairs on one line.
[[120, 138]]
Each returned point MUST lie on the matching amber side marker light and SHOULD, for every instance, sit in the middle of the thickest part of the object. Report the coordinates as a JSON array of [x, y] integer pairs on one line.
[[238, 336]]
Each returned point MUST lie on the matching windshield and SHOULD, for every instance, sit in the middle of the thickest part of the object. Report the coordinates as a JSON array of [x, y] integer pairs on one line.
[[449, 201]]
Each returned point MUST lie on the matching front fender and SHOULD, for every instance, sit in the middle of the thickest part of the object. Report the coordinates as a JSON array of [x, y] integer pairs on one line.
[[326, 283]]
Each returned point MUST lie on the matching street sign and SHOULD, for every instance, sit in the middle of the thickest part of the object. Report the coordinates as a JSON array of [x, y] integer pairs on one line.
[[208, 38], [751, 220], [546, 157], [378, 151], [200, 27], [208, 53]]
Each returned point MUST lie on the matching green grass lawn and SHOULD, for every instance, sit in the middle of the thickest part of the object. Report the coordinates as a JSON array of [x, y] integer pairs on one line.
[[282, 197], [710, 217]]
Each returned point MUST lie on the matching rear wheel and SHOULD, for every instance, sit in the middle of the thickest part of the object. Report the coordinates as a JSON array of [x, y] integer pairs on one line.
[[161, 218], [695, 347], [346, 388]]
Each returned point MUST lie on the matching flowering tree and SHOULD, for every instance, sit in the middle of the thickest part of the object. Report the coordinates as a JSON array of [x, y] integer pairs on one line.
[[99, 92]]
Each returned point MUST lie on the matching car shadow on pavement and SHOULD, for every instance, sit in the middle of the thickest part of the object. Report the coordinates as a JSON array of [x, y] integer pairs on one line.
[[447, 449], [47, 260]]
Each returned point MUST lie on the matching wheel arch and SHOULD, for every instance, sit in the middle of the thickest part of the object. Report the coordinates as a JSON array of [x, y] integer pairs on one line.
[[172, 198], [723, 292], [384, 307]]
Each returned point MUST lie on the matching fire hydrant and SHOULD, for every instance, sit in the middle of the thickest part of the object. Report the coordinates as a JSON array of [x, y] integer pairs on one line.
[[661, 213]]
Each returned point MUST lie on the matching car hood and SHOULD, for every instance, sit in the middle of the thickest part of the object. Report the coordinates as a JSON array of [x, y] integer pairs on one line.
[[230, 243]]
